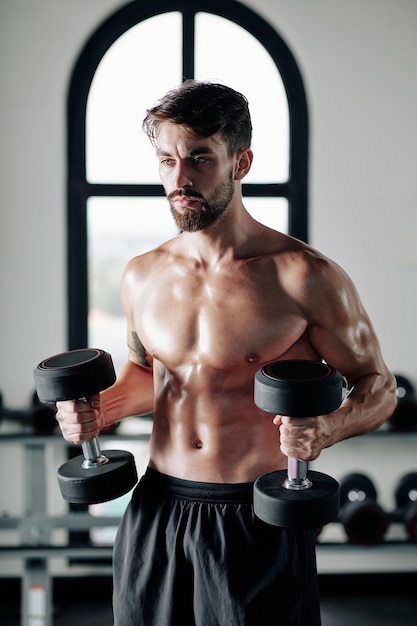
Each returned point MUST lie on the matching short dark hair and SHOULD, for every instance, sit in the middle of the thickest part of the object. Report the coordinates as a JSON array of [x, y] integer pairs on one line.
[[206, 109]]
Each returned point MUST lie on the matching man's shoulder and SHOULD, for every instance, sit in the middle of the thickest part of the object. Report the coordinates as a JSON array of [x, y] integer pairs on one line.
[[293, 253], [144, 273], [304, 269], [151, 260]]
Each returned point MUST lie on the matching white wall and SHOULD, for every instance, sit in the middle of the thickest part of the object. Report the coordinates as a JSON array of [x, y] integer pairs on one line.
[[358, 63]]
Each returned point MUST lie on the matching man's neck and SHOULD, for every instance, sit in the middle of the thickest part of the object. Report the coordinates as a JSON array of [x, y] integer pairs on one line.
[[230, 238]]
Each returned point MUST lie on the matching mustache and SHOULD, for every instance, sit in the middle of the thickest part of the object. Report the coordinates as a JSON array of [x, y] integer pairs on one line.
[[180, 193]]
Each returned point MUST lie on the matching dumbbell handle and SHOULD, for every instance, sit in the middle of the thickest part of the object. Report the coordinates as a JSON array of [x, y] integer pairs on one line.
[[92, 451], [92, 454], [297, 475]]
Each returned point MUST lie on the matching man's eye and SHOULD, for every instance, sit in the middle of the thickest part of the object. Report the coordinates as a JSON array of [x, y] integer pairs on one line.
[[166, 162], [199, 160]]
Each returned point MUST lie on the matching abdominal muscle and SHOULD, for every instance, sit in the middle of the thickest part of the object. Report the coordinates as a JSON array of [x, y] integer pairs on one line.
[[212, 434]]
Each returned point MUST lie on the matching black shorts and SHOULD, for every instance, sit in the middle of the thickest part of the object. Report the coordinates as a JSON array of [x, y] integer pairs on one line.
[[194, 554]]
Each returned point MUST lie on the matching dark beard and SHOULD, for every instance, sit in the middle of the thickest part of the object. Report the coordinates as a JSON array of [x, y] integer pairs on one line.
[[211, 209]]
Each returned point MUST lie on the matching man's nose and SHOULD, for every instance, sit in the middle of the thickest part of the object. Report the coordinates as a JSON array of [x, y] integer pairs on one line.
[[182, 175]]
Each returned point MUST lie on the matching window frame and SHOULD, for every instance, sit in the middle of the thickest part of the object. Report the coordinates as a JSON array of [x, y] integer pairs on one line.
[[295, 190]]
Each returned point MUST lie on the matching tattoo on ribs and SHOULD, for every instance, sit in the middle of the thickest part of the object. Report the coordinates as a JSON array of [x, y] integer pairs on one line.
[[137, 347]]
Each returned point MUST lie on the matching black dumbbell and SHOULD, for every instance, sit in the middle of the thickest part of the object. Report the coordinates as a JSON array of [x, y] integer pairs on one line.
[[406, 500], [94, 477], [404, 417], [297, 498], [40, 417], [405, 387], [364, 521]]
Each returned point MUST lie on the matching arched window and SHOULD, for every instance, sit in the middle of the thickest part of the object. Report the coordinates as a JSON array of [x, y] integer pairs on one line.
[[116, 205]]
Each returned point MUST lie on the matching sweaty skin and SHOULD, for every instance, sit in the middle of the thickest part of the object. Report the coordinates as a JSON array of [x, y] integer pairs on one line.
[[207, 309]]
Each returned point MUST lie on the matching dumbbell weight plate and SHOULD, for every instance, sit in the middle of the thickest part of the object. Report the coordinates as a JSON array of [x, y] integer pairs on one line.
[[406, 490], [356, 487], [364, 521], [42, 419], [406, 500], [405, 388], [298, 388], [288, 508], [404, 417], [98, 484], [410, 521], [66, 376]]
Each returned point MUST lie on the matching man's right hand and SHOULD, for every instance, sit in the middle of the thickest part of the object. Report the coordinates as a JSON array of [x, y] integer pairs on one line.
[[80, 421]]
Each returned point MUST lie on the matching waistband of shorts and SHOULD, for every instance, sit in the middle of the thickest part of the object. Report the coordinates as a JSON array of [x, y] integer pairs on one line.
[[198, 491]]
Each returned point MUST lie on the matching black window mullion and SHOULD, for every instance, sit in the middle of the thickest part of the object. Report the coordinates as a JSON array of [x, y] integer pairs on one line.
[[77, 259], [94, 189], [188, 42], [150, 190]]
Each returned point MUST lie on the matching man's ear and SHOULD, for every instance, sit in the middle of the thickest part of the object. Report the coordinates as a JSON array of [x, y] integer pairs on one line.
[[244, 160]]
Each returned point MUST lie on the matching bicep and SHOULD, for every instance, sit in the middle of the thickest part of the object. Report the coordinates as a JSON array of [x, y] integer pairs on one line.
[[352, 347]]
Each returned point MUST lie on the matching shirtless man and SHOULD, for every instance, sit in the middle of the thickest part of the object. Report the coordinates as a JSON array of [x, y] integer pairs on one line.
[[204, 312]]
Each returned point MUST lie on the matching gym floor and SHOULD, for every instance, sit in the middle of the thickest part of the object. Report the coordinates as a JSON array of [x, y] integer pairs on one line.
[[359, 600]]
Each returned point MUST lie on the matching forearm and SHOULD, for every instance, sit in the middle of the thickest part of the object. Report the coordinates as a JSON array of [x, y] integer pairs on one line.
[[132, 394], [369, 402]]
